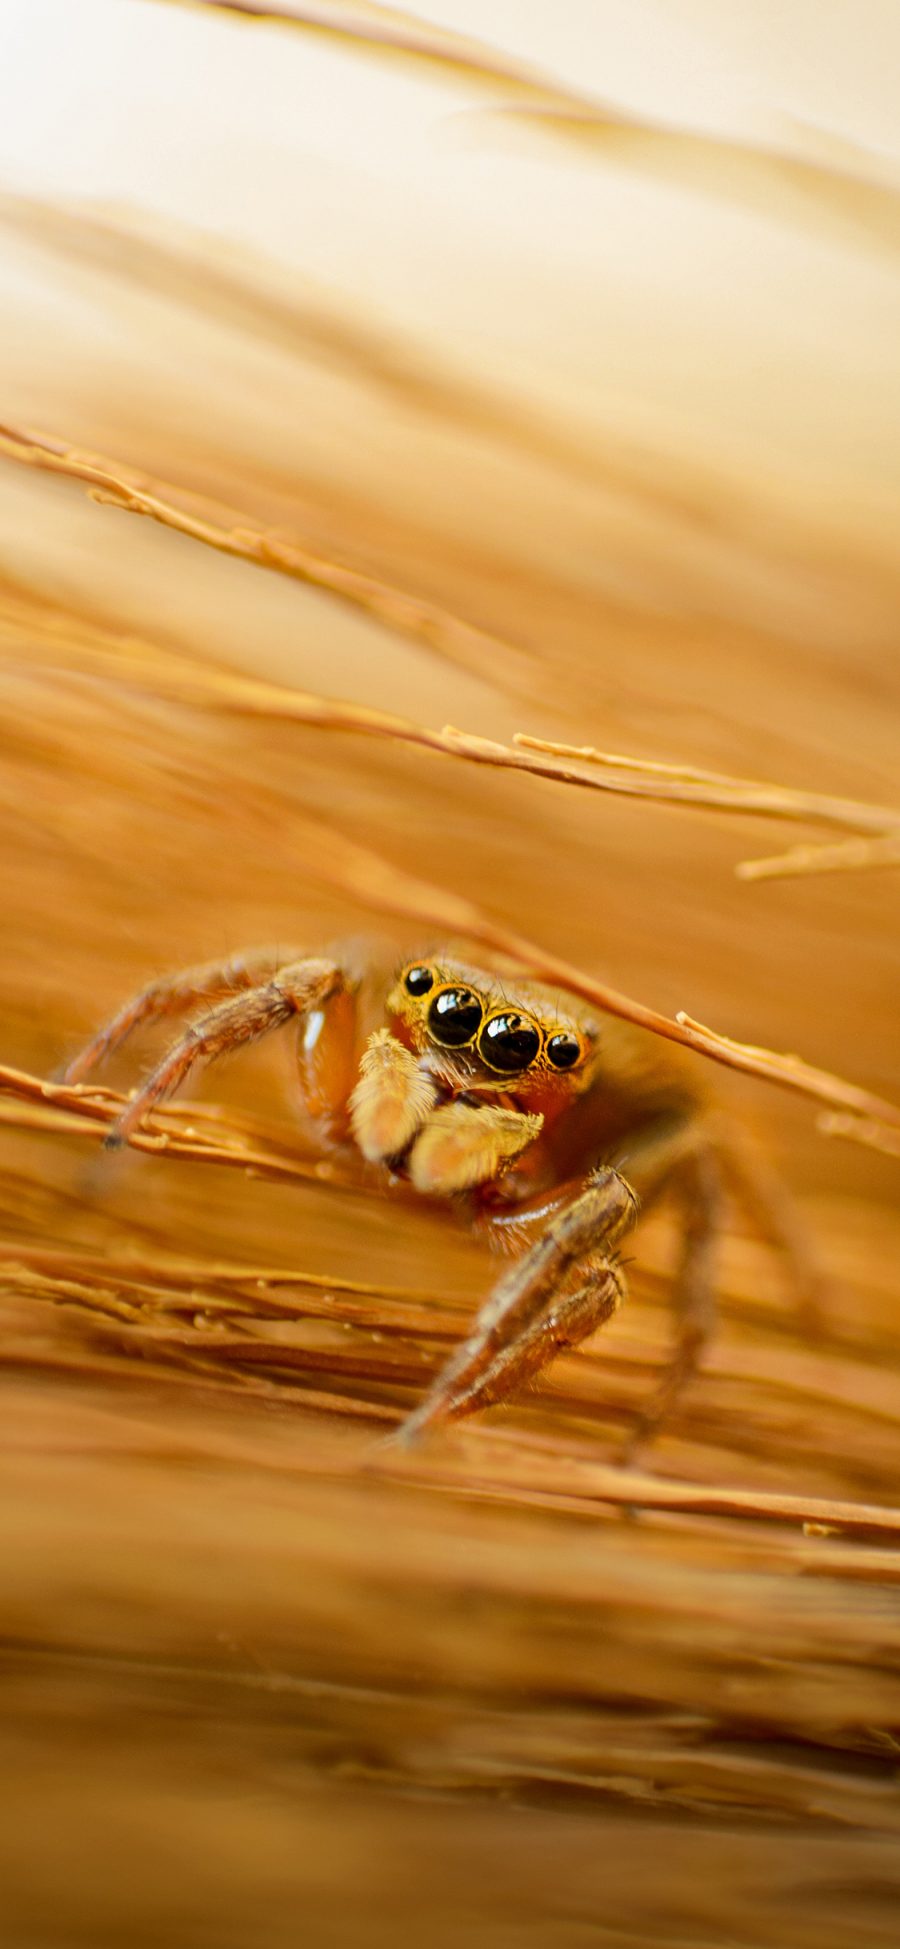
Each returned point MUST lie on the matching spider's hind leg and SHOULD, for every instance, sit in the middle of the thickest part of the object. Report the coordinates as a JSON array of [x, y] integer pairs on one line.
[[702, 1160], [758, 1188], [698, 1175]]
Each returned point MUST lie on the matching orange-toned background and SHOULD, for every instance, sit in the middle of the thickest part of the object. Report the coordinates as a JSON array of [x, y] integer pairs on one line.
[[591, 373]]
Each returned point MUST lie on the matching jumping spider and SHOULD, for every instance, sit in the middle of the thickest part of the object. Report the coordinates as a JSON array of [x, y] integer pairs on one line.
[[502, 1095]]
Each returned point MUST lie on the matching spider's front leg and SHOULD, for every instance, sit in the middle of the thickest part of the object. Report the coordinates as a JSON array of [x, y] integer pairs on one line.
[[211, 981], [253, 996], [563, 1288]]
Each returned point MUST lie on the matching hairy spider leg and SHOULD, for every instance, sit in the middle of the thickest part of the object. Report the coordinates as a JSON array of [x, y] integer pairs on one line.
[[553, 1297], [700, 1159], [586, 1297], [697, 1174], [535, 1317], [296, 990], [211, 981], [758, 1188]]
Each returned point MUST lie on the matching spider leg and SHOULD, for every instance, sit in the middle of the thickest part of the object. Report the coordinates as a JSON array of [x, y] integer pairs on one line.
[[583, 1301], [699, 1178], [770, 1209], [173, 994], [295, 990], [553, 1297], [702, 1159], [513, 1228]]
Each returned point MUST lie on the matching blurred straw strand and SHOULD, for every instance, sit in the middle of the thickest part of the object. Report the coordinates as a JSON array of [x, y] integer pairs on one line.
[[462, 642], [685, 785], [746, 173], [195, 1314], [384, 887], [395, 608], [183, 679], [381, 886], [180, 1130], [852, 856]]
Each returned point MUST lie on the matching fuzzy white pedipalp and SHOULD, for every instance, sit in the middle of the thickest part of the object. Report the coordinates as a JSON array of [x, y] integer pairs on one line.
[[464, 1144], [391, 1100]]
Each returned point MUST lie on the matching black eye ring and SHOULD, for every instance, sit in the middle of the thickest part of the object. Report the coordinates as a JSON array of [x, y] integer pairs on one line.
[[563, 1050], [454, 1017], [418, 980], [509, 1042]]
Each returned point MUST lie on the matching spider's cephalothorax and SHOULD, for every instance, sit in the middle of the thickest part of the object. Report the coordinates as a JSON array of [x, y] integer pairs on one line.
[[485, 1088]]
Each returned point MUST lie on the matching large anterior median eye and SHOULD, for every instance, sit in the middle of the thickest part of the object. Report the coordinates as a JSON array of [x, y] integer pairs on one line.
[[508, 1043], [454, 1017]]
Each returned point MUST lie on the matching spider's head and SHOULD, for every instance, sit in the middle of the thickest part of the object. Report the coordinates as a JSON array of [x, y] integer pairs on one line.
[[481, 1031]]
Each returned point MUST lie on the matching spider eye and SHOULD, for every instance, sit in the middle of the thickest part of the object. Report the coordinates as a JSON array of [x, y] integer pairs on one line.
[[508, 1043], [418, 980], [563, 1050], [454, 1017]]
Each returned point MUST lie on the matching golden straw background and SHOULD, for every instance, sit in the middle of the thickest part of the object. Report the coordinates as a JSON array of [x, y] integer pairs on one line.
[[446, 489]]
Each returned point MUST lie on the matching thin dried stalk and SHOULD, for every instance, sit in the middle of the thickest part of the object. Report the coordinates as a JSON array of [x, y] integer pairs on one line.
[[179, 1131], [601, 1482], [186, 681], [425, 622], [875, 1135], [194, 1311], [851, 856], [379, 885], [687, 785], [745, 173]]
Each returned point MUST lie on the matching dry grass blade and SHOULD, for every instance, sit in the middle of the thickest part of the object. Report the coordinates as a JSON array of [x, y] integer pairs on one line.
[[849, 856], [376, 883], [876, 1135], [550, 1475], [686, 785], [225, 530], [203, 685], [745, 173], [225, 1319], [187, 1132]]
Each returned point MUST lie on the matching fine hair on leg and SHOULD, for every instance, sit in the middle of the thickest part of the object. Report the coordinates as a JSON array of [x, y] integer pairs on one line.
[[174, 994], [533, 1312], [243, 1019]]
